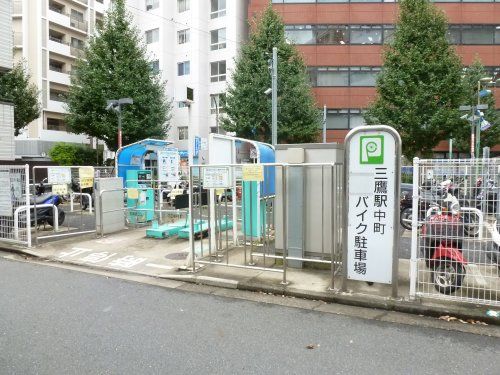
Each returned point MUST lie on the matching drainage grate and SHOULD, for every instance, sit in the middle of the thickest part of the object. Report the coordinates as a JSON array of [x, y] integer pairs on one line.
[[177, 256]]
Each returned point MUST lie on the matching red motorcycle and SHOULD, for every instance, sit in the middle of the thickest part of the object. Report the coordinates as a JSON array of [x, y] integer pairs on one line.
[[443, 232]]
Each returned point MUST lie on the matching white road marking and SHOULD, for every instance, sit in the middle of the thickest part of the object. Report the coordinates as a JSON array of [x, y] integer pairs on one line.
[[128, 261], [159, 266], [76, 251]]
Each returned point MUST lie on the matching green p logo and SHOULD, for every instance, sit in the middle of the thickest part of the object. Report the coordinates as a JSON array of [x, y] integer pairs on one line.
[[371, 149]]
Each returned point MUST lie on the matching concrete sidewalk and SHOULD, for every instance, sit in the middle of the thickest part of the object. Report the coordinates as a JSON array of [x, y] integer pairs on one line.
[[131, 252]]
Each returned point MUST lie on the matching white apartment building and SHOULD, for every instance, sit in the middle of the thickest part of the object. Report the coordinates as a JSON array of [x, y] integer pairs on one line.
[[193, 43], [6, 108], [49, 35]]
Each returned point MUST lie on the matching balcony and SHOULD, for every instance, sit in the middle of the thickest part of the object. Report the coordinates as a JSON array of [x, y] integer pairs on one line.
[[62, 78], [99, 7], [17, 7], [58, 17], [77, 52], [59, 46], [78, 24], [17, 39], [56, 106]]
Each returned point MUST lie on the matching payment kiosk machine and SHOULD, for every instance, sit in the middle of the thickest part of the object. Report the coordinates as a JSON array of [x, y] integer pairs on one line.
[[140, 196]]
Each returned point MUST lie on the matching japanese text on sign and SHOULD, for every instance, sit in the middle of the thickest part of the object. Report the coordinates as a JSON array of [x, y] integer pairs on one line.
[[216, 177], [58, 175], [371, 206], [252, 172]]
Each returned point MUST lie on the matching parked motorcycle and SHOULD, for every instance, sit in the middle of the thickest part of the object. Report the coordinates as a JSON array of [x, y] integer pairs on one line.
[[45, 215], [443, 232], [84, 199]]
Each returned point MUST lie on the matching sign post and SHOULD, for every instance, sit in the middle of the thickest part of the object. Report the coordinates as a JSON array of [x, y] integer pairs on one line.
[[371, 220]]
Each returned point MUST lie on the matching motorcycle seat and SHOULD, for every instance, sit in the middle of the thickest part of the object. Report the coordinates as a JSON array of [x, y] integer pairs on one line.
[[39, 199]]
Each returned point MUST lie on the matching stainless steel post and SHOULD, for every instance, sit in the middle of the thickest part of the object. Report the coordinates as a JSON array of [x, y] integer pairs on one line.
[[274, 97], [285, 222], [191, 231]]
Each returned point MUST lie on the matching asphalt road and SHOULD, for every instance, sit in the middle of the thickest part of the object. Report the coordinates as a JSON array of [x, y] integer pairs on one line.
[[57, 321]]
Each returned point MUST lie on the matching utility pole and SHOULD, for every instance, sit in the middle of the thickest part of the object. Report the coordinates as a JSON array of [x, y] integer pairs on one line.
[[274, 98]]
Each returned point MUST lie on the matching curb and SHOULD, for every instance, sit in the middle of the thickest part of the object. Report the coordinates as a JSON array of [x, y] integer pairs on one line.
[[473, 312]]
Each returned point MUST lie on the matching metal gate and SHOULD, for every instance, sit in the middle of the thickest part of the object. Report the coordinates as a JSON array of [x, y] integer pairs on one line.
[[74, 209], [455, 230], [267, 216], [14, 205]]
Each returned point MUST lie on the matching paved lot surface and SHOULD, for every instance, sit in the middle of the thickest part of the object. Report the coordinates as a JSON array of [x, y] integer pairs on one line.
[[56, 321]]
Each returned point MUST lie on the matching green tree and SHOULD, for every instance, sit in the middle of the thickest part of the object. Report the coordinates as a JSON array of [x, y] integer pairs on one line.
[[248, 109], [419, 90], [72, 154], [461, 134], [115, 66], [15, 86]]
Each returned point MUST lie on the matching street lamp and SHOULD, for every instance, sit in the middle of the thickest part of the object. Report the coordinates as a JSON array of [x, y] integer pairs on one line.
[[116, 106]]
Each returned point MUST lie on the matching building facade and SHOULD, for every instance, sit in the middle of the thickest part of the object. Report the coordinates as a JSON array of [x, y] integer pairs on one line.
[[6, 108], [48, 36], [193, 43], [342, 44]]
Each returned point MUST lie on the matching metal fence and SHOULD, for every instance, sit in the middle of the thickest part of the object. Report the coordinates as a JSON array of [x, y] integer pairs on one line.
[[62, 201], [455, 230], [151, 203], [14, 205], [289, 215]]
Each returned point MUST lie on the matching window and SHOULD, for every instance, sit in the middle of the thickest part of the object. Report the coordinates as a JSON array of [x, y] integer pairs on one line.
[[337, 119], [366, 34], [152, 4], [218, 39], [300, 34], [217, 101], [344, 118], [332, 34], [183, 68], [56, 124], [183, 133], [356, 118], [497, 35], [182, 5], [217, 8], [155, 66], [183, 36], [152, 36], [388, 34], [56, 66], [218, 71], [363, 76], [76, 15], [333, 77], [58, 96], [77, 43], [343, 76], [482, 34], [453, 34]]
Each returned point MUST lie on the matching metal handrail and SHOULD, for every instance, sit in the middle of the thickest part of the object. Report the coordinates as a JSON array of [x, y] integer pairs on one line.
[[55, 214]]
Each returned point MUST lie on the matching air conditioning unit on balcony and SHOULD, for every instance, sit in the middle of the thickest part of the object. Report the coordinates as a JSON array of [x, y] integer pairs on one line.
[[149, 7]]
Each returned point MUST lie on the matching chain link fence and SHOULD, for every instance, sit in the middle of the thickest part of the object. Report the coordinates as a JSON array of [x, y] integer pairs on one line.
[[455, 230]]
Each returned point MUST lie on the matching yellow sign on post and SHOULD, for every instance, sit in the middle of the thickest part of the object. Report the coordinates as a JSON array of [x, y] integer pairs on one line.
[[252, 172], [86, 175]]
